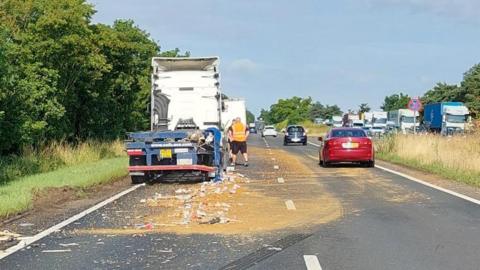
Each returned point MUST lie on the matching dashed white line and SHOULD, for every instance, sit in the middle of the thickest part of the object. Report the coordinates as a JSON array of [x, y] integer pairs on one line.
[[312, 263], [25, 242], [280, 180], [275, 167], [290, 205], [314, 144]]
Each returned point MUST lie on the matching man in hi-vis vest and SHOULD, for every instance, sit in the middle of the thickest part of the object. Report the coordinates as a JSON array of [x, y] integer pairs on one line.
[[238, 134]]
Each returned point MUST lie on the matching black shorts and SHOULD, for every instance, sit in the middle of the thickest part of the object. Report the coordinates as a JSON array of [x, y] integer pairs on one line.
[[239, 147]]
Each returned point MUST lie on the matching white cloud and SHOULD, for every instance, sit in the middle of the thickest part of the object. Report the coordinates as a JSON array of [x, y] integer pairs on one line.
[[465, 9], [244, 65]]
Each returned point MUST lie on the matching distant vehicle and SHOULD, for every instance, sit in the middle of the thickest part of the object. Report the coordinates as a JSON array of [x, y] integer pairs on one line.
[[368, 119], [346, 145], [327, 122], [446, 117], [269, 131], [337, 121], [379, 119], [252, 130], [377, 131], [295, 134], [259, 125], [358, 123], [403, 119]]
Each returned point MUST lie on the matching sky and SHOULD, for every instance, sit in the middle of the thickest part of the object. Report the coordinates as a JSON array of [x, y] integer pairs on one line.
[[343, 52]]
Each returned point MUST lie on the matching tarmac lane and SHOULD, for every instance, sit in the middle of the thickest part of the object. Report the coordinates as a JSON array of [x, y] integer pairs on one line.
[[282, 212], [389, 222]]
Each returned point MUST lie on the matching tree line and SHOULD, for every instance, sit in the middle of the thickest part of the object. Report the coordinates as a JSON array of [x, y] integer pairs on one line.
[[63, 77], [297, 109]]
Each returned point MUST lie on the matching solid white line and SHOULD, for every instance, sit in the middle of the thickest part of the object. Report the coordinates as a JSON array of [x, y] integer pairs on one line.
[[25, 242], [312, 263], [280, 180], [456, 194], [314, 144], [290, 205]]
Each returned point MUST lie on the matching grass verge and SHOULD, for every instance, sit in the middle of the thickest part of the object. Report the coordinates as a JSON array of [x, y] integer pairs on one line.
[[16, 196], [455, 158]]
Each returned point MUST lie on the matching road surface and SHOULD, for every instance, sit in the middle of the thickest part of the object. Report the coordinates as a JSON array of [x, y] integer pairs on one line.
[[289, 213]]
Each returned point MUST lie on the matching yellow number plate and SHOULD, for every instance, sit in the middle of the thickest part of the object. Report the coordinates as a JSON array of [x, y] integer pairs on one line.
[[166, 153]]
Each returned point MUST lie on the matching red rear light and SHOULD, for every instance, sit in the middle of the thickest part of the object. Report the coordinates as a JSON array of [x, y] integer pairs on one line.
[[135, 152]]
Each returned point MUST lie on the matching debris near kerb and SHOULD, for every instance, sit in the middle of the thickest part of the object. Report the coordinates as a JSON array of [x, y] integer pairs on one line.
[[202, 204]]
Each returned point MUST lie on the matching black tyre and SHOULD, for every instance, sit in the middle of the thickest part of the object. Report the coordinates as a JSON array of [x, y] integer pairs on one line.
[[371, 164], [285, 143], [137, 179], [305, 143], [326, 164], [320, 162]]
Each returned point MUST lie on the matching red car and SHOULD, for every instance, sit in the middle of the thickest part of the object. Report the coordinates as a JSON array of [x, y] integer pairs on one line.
[[346, 145]]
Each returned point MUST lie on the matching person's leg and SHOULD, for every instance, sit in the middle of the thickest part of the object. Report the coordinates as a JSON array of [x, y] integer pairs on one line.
[[244, 152], [235, 149]]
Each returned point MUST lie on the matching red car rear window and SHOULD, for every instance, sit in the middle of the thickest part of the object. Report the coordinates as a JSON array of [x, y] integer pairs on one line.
[[348, 133]]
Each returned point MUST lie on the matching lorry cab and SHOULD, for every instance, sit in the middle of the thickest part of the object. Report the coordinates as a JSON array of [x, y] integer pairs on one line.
[[446, 117]]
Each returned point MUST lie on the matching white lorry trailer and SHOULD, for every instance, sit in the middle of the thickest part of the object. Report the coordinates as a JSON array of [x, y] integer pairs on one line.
[[233, 108], [404, 119]]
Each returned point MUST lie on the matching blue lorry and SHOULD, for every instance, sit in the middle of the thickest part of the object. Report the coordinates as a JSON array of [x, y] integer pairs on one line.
[[185, 140], [446, 117]]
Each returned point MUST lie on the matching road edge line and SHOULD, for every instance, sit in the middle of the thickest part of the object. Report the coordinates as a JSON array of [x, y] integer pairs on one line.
[[26, 242], [451, 192]]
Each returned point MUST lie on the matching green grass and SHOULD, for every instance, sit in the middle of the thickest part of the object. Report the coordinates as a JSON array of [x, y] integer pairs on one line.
[[16, 196], [54, 156]]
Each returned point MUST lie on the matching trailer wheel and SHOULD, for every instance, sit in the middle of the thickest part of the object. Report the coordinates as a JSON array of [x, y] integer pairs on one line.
[[137, 179]]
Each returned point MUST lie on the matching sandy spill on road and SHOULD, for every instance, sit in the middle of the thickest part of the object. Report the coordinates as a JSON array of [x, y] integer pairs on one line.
[[379, 187], [243, 204]]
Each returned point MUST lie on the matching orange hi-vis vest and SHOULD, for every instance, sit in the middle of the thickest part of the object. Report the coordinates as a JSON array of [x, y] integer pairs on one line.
[[238, 130]]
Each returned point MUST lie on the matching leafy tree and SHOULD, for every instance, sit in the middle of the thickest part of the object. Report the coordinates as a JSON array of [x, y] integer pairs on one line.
[[250, 117], [470, 90], [331, 110], [441, 92], [63, 77], [395, 102], [316, 111], [295, 110], [363, 108]]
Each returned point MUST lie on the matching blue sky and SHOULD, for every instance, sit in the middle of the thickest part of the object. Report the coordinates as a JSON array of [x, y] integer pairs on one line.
[[343, 52]]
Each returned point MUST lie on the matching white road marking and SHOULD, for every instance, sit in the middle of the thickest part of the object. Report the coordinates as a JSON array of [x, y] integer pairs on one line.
[[273, 158], [290, 205], [275, 167], [25, 242], [312, 263], [451, 192], [456, 194], [280, 180], [56, 250], [314, 144]]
